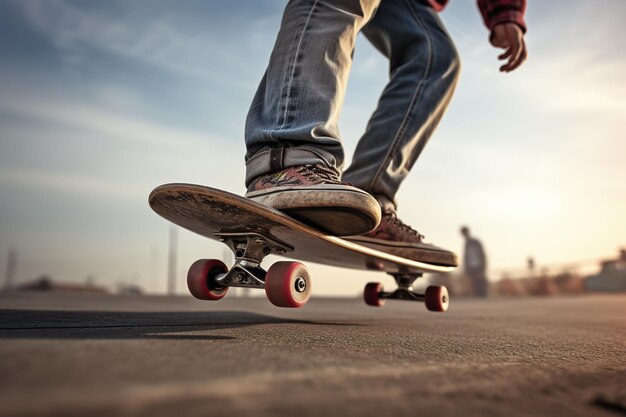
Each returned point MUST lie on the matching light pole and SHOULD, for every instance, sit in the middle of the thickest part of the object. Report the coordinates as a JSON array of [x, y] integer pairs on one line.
[[172, 261]]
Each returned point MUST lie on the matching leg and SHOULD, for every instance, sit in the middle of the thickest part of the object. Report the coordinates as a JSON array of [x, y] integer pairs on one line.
[[482, 285], [297, 104], [424, 69], [479, 283], [292, 139]]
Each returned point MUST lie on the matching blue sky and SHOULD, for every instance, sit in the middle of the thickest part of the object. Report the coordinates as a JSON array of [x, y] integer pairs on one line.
[[102, 101]]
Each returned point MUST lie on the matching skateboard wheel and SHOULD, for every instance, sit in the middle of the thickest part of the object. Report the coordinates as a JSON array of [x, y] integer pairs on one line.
[[371, 295], [201, 279], [436, 298], [288, 284]]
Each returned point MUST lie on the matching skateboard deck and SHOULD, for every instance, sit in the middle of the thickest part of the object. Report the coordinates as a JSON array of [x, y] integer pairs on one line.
[[253, 231]]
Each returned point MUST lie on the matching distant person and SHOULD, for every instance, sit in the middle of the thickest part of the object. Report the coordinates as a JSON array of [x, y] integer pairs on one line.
[[621, 261], [475, 263], [295, 157]]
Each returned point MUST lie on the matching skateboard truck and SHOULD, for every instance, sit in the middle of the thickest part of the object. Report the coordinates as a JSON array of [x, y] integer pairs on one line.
[[249, 250], [435, 298], [286, 283], [405, 289]]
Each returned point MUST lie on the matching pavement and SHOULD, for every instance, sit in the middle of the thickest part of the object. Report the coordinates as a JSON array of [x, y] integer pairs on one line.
[[103, 355]]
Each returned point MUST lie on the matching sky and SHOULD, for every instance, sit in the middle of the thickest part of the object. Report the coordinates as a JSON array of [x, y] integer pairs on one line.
[[101, 101]]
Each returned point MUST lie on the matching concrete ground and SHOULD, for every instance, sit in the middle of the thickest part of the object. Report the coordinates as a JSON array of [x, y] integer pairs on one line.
[[97, 355]]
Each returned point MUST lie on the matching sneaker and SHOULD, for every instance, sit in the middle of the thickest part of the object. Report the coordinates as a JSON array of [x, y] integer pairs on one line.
[[314, 195], [397, 238]]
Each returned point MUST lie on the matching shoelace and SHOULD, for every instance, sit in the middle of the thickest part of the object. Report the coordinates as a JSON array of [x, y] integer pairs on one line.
[[393, 218], [323, 173]]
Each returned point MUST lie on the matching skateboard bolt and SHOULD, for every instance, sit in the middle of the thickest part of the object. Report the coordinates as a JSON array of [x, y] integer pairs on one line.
[[300, 284], [240, 277], [259, 241]]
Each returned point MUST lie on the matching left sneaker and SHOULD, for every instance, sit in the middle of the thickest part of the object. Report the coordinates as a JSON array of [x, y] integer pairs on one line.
[[315, 195], [397, 238]]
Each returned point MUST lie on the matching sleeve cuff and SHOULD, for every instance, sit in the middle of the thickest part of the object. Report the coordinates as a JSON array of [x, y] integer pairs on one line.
[[508, 17]]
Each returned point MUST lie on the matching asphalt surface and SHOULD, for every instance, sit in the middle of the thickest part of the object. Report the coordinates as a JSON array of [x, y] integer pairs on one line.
[[97, 355]]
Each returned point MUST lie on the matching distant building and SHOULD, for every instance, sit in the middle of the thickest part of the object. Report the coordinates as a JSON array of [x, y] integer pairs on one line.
[[129, 289], [45, 283], [612, 276]]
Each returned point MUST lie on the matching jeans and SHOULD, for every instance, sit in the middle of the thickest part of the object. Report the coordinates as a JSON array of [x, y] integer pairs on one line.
[[478, 280], [294, 115]]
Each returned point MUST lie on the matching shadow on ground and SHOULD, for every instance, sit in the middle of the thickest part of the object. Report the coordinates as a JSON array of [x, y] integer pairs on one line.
[[38, 324]]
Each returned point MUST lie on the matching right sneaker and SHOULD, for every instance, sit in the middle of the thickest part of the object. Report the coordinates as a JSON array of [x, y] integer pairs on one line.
[[315, 195], [395, 237]]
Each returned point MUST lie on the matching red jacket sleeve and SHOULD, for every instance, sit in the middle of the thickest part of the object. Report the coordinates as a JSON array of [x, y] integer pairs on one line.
[[501, 11]]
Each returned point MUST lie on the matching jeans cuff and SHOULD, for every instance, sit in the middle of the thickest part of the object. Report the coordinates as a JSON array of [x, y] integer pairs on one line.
[[386, 204], [265, 161]]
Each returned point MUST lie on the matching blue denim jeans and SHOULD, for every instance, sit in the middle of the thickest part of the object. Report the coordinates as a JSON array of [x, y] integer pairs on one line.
[[294, 114]]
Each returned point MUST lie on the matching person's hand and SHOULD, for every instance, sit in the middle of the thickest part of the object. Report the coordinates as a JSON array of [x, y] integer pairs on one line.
[[510, 37]]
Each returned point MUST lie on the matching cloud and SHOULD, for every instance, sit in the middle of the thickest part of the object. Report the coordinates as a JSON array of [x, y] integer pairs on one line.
[[63, 182], [571, 69], [575, 81], [173, 39], [531, 204], [53, 143], [84, 116], [71, 28]]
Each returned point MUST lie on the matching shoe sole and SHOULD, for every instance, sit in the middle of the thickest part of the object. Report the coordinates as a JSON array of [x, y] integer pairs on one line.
[[427, 253], [332, 209]]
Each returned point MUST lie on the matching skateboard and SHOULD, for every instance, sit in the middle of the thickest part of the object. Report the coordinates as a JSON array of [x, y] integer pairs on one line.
[[253, 231]]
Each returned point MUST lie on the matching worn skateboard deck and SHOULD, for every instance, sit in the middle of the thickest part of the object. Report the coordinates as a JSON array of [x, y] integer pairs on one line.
[[214, 213]]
